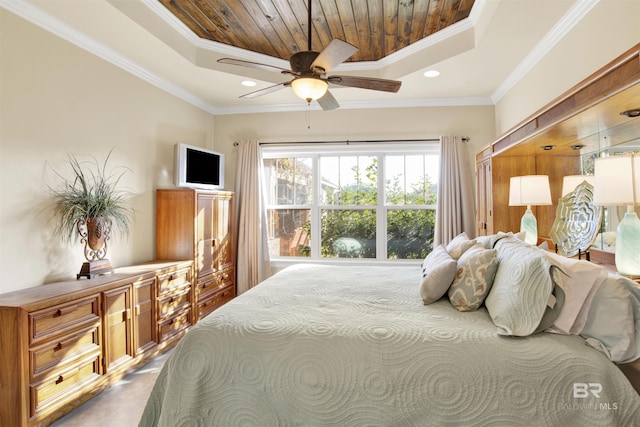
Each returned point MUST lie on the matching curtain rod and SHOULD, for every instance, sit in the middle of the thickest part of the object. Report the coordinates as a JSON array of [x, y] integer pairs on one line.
[[347, 142]]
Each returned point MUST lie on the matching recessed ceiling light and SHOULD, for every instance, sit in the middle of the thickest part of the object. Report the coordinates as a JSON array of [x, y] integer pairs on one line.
[[248, 83], [631, 113], [431, 73]]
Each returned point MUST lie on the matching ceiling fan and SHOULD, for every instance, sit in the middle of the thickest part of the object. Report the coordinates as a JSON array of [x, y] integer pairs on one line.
[[309, 70]]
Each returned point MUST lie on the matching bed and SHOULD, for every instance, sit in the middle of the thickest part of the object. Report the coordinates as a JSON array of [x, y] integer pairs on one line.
[[319, 345]]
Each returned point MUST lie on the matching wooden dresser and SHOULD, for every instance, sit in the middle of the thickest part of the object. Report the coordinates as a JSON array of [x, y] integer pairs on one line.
[[62, 343]]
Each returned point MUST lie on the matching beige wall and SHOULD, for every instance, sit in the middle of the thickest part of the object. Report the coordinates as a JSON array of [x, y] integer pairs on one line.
[[367, 124], [55, 99], [611, 28]]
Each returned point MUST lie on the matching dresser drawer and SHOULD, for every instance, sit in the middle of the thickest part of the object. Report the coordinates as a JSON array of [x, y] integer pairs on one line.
[[64, 350], [64, 385], [214, 283], [210, 303], [59, 319], [175, 301], [171, 281], [174, 324]]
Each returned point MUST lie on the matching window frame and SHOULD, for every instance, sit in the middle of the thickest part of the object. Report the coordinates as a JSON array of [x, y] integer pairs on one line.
[[315, 151]]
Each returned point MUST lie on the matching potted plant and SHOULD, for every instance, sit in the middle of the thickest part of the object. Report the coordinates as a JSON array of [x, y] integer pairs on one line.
[[89, 205]]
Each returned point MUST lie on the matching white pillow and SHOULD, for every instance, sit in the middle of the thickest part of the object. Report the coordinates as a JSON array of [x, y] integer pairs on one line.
[[613, 326], [522, 288], [438, 270], [490, 241], [459, 244], [579, 281]]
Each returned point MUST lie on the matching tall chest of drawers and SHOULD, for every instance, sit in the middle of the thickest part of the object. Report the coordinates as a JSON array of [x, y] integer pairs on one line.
[[200, 225]]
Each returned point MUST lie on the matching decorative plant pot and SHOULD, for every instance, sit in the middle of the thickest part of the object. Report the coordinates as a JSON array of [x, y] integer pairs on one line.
[[94, 234]]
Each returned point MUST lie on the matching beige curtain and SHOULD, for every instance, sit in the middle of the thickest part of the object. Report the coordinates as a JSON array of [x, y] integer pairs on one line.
[[253, 263], [456, 209]]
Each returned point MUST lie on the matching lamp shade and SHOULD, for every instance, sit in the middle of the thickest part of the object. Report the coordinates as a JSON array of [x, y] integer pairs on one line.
[[570, 182], [309, 88], [529, 190], [617, 180]]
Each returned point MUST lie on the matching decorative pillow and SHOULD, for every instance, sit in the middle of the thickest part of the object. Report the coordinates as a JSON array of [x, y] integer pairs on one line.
[[459, 244], [613, 325], [521, 235], [579, 280], [490, 241], [476, 271], [522, 289], [438, 269]]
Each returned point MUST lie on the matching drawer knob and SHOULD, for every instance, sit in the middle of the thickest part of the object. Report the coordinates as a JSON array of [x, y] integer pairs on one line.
[[58, 347], [59, 380], [65, 310]]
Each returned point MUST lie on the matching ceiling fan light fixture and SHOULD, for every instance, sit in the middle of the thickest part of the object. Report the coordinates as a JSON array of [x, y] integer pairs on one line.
[[309, 88]]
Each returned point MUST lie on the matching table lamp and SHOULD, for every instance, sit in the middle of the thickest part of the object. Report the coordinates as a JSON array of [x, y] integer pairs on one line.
[[529, 190], [618, 183]]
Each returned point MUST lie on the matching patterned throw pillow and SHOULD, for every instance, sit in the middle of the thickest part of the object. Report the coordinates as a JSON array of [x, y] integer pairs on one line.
[[438, 269], [476, 271], [459, 244]]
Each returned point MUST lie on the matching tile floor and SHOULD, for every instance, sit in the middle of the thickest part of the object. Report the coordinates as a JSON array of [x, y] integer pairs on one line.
[[120, 405]]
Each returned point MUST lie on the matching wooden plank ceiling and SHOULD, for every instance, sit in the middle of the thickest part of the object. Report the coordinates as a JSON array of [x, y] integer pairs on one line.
[[278, 28]]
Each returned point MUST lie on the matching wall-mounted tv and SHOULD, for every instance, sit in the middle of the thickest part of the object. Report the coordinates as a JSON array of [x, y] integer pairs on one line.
[[197, 167]]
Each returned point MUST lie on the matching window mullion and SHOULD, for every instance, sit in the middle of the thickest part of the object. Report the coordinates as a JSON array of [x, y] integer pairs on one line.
[[316, 237], [381, 212]]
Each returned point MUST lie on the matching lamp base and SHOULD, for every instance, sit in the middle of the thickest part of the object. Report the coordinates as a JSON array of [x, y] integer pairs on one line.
[[529, 225], [628, 245]]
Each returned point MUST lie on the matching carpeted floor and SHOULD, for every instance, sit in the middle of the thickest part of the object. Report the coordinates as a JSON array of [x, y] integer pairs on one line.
[[120, 405]]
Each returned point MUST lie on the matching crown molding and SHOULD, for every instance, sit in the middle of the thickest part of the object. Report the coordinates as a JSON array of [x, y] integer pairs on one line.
[[53, 25], [576, 13], [359, 105]]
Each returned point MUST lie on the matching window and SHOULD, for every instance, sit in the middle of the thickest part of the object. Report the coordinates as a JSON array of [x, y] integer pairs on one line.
[[352, 201]]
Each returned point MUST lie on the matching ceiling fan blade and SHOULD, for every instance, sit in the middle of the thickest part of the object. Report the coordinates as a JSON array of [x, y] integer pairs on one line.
[[328, 102], [333, 55], [366, 83], [265, 90], [257, 65]]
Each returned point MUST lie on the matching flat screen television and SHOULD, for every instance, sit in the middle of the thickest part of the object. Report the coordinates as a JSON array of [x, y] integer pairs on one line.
[[197, 167]]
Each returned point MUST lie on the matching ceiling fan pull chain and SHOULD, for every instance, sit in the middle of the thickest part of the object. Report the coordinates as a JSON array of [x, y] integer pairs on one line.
[[308, 119]]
